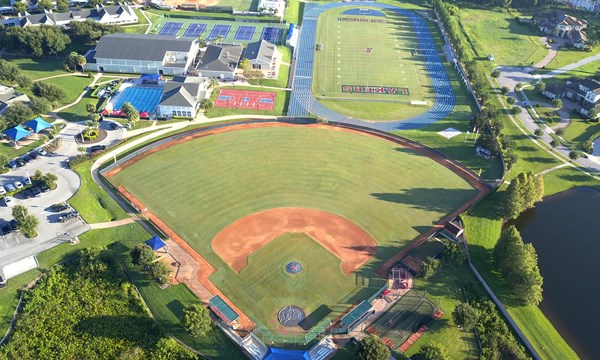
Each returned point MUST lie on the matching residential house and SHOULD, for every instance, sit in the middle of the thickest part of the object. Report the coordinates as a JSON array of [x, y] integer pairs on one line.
[[265, 57], [182, 95], [142, 54], [585, 93], [219, 61], [271, 7], [563, 25], [589, 5], [554, 91], [118, 14], [9, 96]]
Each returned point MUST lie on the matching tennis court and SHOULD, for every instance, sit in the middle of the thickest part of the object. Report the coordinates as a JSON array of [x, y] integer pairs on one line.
[[143, 99], [194, 30], [271, 34], [171, 28], [219, 31], [245, 99], [245, 33]]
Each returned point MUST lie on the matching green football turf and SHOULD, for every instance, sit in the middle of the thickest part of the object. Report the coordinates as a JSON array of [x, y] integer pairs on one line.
[[345, 59], [203, 185]]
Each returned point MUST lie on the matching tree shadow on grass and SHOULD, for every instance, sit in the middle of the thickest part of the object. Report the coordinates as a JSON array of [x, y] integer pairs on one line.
[[430, 199]]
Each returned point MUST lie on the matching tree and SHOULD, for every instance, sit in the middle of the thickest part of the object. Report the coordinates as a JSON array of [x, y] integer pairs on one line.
[[19, 7], [142, 255], [62, 6], [206, 104], [573, 155], [48, 91], [455, 253], [434, 351], [587, 146], [44, 5], [495, 73], [465, 316], [26, 223], [50, 180], [74, 61], [372, 348], [540, 87], [23, 81], [35, 40], [245, 64], [3, 160], [554, 143], [522, 193], [557, 104], [213, 84], [196, 320], [40, 105], [90, 108], [593, 113], [160, 271], [429, 266], [16, 114], [504, 90], [516, 110]]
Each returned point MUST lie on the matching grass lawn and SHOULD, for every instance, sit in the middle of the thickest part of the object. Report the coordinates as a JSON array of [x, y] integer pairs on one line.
[[294, 12], [234, 178], [91, 201], [568, 56], [566, 178], [499, 34], [387, 63], [282, 99], [135, 29], [39, 67], [167, 307], [284, 71], [72, 85], [548, 115], [12, 152], [580, 130], [78, 111]]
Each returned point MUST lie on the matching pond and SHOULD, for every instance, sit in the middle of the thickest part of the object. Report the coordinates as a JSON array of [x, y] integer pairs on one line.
[[565, 231]]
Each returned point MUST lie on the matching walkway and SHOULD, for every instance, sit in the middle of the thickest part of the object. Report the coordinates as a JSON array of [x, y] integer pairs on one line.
[[112, 224], [570, 67], [303, 101]]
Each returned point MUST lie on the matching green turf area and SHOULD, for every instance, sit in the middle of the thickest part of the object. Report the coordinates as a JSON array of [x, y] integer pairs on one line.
[[568, 56], [91, 201], [580, 130], [78, 111], [39, 68], [72, 85], [229, 39], [12, 152], [499, 34], [282, 99], [402, 195], [264, 287], [345, 59]]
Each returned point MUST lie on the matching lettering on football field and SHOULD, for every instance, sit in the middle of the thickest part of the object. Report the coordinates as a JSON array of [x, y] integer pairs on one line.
[[389, 90]]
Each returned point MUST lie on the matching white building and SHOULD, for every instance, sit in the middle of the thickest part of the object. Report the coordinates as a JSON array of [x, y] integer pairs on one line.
[[271, 7], [118, 14], [265, 57], [182, 95], [142, 54]]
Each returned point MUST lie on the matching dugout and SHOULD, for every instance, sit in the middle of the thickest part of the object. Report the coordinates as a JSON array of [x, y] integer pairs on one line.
[[224, 311], [356, 316]]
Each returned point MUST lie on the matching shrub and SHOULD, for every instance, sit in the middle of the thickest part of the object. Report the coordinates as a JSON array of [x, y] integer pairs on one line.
[[538, 132], [516, 110], [511, 100]]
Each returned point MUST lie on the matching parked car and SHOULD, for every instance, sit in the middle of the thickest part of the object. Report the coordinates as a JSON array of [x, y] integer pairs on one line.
[[34, 155], [26, 194], [60, 207], [13, 164], [36, 191], [27, 159], [20, 162], [41, 151], [6, 228], [7, 201], [68, 216], [3, 281], [114, 126], [97, 148], [9, 187], [27, 181], [18, 184], [13, 224], [44, 188], [2, 190]]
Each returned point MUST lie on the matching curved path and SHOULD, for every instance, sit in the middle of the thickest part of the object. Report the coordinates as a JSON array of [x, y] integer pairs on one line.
[[303, 102]]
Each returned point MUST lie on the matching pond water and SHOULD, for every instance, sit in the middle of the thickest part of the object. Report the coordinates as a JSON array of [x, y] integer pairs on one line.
[[565, 231]]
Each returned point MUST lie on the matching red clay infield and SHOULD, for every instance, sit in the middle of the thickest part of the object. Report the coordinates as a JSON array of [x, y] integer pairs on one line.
[[245, 99], [341, 237]]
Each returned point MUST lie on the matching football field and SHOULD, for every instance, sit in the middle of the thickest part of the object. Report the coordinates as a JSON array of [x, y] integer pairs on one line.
[[372, 57]]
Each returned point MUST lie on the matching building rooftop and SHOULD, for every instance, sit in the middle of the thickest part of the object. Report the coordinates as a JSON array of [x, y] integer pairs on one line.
[[220, 58], [144, 47]]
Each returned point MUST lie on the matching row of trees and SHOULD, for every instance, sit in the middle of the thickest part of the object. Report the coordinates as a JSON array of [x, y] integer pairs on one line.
[[523, 192], [505, 4], [454, 253], [35, 40], [373, 348]]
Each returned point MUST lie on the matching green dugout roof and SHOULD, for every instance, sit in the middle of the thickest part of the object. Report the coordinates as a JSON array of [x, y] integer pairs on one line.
[[356, 313], [222, 309]]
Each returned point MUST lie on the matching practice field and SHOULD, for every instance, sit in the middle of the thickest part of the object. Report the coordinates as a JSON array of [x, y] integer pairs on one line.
[[369, 57], [233, 32], [201, 186], [245, 99]]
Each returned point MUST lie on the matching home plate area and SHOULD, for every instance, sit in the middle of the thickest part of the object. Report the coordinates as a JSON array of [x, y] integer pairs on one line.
[[244, 99]]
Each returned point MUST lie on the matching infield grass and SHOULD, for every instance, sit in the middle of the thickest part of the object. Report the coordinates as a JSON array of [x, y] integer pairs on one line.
[[391, 192], [369, 54]]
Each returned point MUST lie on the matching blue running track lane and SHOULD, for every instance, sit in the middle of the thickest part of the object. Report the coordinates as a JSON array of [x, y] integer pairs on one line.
[[303, 101]]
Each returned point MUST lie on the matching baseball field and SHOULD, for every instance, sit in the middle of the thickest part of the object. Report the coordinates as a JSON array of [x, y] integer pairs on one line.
[[373, 57], [252, 199]]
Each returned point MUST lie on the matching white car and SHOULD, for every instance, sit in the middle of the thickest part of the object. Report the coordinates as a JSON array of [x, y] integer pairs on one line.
[[18, 184], [2, 190], [8, 201], [41, 151]]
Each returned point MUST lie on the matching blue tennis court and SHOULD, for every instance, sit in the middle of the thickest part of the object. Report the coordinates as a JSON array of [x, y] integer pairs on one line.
[[194, 30], [271, 34], [219, 30], [245, 33], [143, 99], [170, 28]]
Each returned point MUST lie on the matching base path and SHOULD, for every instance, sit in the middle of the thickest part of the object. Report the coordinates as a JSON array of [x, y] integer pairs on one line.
[[303, 101], [340, 236]]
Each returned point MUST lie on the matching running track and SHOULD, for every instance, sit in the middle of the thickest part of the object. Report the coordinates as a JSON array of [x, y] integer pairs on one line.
[[303, 101]]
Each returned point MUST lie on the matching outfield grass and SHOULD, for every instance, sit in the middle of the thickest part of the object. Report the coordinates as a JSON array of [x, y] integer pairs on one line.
[[499, 34], [91, 201], [402, 195], [343, 60], [282, 99], [229, 39]]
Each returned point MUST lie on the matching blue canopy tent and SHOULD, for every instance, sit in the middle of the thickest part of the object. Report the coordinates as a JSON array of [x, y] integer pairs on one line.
[[155, 243], [16, 133], [38, 124]]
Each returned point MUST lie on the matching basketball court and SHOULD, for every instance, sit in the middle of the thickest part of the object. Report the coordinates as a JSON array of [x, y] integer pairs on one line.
[[245, 99]]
